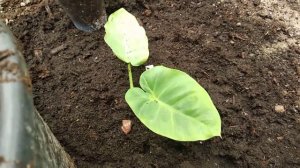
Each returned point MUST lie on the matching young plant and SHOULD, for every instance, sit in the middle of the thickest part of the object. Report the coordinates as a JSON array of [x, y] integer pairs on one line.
[[169, 102]]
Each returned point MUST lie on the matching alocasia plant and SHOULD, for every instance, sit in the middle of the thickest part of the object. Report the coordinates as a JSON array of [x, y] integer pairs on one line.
[[169, 102]]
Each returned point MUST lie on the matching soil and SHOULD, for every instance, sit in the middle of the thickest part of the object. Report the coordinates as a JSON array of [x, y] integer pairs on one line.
[[245, 53]]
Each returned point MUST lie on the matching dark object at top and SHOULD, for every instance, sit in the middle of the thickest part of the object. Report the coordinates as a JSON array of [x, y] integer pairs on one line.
[[87, 15]]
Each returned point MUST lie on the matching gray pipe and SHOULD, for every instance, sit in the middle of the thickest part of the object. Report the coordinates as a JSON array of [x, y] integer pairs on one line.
[[25, 139]]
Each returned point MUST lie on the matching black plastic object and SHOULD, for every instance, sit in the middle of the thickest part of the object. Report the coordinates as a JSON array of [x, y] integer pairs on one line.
[[87, 15], [25, 139]]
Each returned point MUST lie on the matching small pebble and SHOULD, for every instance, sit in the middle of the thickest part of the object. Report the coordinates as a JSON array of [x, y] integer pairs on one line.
[[256, 2], [126, 126], [280, 138], [298, 70], [298, 120], [58, 49], [23, 4], [38, 53], [298, 92], [147, 12], [279, 109], [251, 55], [285, 93], [96, 59], [265, 14], [239, 24], [297, 103]]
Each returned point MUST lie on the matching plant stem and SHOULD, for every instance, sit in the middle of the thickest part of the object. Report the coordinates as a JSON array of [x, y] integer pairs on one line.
[[130, 76]]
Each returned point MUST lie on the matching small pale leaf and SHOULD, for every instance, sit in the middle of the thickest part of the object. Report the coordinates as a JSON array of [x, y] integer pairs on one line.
[[126, 38]]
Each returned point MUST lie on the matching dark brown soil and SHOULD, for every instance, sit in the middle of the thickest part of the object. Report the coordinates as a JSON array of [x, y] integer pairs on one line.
[[242, 52]]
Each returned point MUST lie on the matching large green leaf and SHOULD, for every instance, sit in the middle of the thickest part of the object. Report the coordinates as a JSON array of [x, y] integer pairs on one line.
[[126, 38], [174, 105]]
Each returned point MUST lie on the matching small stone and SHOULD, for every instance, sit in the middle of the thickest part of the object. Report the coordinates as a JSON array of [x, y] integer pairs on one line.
[[285, 93], [270, 140], [251, 55], [279, 138], [279, 109], [298, 92], [126, 126], [231, 42], [270, 73], [38, 53], [239, 24], [297, 103], [96, 59], [298, 70], [23, 4], [58, 49], [147, 12], [298, 120], [265, 14], [256, 2]]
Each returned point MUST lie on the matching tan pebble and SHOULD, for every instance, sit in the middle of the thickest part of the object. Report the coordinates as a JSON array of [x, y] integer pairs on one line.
[[38, 53], [279, 109], [298, 92], [284, 93], [126, 126], [298, 70], [147, 12], [280, 138], [297, 103]]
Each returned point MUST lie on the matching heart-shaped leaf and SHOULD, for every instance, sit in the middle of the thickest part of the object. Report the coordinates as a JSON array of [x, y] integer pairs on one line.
[[126, 38], [174, 105]]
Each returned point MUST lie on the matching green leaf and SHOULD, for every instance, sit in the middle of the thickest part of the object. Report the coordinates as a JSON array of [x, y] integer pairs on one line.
[[126, 38], [174, 105]]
